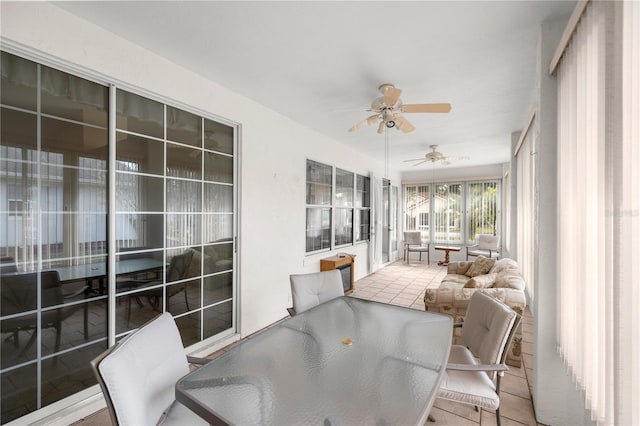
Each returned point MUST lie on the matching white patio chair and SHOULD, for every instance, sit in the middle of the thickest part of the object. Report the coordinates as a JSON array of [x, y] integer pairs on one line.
[[309, 290], [488, 246], [413, 243], [474, 371], [138, 375]]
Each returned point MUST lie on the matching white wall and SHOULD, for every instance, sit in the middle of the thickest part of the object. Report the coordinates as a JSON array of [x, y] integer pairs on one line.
[[273, 148]]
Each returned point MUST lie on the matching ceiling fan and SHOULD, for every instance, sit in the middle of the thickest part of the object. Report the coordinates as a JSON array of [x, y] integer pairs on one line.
[[434, 157], [388, 109]]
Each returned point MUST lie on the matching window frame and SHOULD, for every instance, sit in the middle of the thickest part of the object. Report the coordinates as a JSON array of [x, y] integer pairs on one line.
[[418, 189], [360, 201]]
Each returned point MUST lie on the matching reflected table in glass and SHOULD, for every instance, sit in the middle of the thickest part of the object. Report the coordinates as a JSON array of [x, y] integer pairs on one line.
[[99, 269], [347, 361]]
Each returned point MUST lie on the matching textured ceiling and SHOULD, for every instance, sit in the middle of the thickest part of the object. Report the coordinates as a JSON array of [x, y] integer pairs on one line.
[[321, 63]]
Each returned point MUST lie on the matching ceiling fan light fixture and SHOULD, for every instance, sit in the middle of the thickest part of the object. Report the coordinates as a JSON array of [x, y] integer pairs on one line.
[[390, 124]]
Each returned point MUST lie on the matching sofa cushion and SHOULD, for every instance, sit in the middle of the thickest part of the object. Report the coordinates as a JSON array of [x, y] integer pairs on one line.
[[458, 268], [503, 264], [509, 278], [480, 266], [454, 280], [481, 281]]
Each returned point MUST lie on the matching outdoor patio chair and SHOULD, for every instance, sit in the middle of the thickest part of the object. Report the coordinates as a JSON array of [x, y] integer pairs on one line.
[[475, 369], [413, 243], [138, 375], [309, 290], [488, 246]]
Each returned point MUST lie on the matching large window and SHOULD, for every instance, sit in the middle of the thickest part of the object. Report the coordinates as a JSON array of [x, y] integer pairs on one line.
[[437, 210], [337, 207], [173, 222]]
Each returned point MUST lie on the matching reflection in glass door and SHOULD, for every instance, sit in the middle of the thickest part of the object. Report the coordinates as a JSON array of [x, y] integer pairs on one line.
[[393, 228], [386, 219], [174, 222]]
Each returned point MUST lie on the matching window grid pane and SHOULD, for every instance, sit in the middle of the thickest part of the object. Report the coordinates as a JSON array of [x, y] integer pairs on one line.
[[318, 183], [482, 209]]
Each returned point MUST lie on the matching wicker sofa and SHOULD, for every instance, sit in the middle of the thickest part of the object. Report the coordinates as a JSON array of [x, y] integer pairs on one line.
[[502, 281]]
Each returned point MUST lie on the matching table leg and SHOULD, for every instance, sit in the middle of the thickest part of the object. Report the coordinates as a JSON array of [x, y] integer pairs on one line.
[[445, 262]]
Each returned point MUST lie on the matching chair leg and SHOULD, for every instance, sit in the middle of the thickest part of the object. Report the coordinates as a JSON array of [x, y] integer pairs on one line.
[[86, 321], [186, 299], [129, 310], [431, 419], [58, 336], [498, 416]]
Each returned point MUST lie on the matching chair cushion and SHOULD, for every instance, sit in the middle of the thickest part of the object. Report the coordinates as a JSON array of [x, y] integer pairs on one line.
[[470, 387], [480, 266], [481, 281], [142, 370]]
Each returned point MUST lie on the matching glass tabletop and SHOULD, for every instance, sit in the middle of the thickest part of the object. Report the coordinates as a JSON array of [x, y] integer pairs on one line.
[[347, 361]]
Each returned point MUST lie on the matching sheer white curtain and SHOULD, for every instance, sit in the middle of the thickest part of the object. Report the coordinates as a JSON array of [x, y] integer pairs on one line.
[[525, 199], [598, 210]]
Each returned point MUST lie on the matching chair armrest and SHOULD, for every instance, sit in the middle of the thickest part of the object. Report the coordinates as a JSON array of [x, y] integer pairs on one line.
[[197, 360], [478, 367]]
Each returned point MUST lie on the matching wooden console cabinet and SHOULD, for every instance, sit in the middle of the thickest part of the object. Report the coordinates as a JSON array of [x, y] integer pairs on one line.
[[344, 263]]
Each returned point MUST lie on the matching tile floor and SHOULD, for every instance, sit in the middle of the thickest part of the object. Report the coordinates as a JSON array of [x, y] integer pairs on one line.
[[404, 285]]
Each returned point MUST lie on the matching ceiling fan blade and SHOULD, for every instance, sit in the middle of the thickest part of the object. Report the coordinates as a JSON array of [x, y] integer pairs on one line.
[[366, 122], [415, 159], [443, 108], [417, 164], [381, 127], [403, 124], [391, 96]]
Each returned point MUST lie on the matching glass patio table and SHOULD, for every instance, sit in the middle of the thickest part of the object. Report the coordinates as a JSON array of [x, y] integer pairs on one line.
[[347, 361]]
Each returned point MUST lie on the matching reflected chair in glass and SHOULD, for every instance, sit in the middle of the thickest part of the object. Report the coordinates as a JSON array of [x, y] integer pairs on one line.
[[309, 290], [474, 370], [179, 268], [488, 246], [413, 243], [19, 294], [138, 375]]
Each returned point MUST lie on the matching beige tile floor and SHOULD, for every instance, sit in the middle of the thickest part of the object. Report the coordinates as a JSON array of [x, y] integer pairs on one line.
[[404, 285]]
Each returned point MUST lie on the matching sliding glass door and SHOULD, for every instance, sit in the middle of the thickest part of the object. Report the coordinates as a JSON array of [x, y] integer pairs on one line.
[[173, 239]]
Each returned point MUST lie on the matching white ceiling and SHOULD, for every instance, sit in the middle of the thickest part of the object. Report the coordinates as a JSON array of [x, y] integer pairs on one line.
[[321, 63]]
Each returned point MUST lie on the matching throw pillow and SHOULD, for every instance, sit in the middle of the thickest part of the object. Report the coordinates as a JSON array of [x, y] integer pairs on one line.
[[503, 264], [481, 266], [481, 281], [509, 278]]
